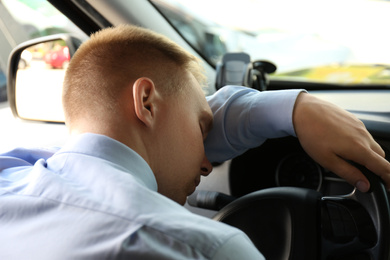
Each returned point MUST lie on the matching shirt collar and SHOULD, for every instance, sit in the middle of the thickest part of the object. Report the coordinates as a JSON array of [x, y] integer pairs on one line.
[[115, 152]]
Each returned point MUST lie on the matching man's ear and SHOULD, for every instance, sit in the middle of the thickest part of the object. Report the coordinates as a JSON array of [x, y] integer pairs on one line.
[[144, 95]]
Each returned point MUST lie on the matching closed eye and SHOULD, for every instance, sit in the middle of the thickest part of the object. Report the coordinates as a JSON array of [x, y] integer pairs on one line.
[[206, 124], [204, 133]]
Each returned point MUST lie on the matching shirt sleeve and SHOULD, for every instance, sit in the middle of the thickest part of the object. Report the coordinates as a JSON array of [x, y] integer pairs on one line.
[[244, 118]]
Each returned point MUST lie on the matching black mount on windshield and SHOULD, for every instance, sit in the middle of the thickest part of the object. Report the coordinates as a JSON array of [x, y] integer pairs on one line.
[[237, 69]]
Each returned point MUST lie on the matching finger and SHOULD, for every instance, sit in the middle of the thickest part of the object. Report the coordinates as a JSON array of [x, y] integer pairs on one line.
[[372, 157], [372, 161], [337, 162], [348, 172], [376, 147], [380, 166]]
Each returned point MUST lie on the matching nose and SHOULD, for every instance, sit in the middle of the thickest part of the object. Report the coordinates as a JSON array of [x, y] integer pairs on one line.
[[206, 167]]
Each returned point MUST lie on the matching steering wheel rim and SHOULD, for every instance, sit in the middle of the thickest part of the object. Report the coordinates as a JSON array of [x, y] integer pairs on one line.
[[296, 223]]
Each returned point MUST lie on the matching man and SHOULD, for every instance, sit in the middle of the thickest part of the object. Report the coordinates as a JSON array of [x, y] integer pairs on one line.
[[138, 120]]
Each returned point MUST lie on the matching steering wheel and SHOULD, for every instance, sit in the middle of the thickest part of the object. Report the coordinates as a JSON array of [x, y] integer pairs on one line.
[[296, 223]]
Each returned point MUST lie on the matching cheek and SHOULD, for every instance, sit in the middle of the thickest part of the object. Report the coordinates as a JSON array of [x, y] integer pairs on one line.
[[181, 142], [183, 156]]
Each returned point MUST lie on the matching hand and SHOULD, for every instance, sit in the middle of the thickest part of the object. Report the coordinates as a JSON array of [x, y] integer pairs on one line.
[[331, 135]]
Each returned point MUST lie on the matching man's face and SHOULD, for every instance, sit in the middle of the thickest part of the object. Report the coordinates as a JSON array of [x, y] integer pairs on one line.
[[186, 120]]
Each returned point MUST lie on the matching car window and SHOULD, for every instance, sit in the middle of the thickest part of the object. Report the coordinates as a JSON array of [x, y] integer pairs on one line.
[[328, 41], [22, 20]]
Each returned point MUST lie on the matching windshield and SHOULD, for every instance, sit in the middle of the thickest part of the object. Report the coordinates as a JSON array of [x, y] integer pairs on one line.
[[327, 41]]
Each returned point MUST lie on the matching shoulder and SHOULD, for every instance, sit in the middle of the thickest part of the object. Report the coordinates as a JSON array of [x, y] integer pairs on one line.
[[24, 156]]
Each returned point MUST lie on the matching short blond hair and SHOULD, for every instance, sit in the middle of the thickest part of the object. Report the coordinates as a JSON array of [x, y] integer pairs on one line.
[[115, 57]]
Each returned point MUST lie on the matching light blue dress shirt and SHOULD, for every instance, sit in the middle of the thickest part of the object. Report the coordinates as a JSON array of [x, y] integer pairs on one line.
[[95, 198]]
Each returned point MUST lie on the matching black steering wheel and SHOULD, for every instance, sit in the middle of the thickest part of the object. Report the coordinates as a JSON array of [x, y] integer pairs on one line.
[[301, 224]]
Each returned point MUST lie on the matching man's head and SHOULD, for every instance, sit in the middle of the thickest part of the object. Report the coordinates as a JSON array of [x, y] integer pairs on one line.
[[145, 91], [115, 58]]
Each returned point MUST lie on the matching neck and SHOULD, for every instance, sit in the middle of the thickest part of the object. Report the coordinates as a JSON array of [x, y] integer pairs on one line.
[[133, 137]]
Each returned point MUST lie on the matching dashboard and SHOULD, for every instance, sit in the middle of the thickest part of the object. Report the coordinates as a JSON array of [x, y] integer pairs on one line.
[[280, 163]]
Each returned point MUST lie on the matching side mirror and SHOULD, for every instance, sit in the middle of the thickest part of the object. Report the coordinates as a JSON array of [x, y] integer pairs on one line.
[[36, 71]]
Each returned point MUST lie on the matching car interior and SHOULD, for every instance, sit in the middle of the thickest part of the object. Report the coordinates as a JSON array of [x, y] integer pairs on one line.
[[289, 205]]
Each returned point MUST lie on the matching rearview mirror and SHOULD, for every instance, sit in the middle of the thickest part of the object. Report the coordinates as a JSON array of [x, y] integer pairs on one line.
[[35, 76]]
